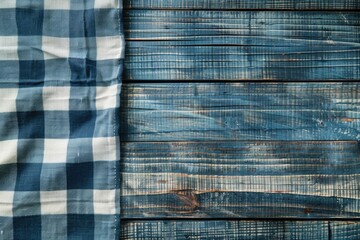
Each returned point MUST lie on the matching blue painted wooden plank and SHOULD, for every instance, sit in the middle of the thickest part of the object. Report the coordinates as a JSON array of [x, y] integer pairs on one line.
[[345, 230], [246, 179], [245, 202], [241, 111], [244, 230], [237, 45], [244, 4], [242, 158]]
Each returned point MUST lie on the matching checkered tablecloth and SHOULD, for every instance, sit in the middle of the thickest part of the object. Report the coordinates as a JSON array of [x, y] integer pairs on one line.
[[60, 69]]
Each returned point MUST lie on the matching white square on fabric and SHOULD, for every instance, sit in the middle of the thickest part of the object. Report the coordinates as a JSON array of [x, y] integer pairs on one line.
[[8, 150], [53, 202], [8, 4], [104, 149], [8, 99], [9, 48], [56, 98], [57, 4], [106, 97], [55, 47], [106, 4], [104, 202], [109, 48], [6, 203], [55, 150]]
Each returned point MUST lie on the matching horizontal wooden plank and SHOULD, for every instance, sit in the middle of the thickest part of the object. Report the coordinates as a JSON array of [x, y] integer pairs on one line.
[[244, 230], [237, 45], [264, 179], [244, 4], [240, 111], [345, 230]]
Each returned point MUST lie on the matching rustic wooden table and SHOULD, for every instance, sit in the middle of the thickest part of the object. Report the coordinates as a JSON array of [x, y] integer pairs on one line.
[[241, 119]]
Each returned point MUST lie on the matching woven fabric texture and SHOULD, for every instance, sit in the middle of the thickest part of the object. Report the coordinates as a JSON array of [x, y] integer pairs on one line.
[[60, 80]]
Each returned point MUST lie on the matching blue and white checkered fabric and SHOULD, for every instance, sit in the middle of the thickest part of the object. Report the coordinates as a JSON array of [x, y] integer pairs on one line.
[[60, 67]]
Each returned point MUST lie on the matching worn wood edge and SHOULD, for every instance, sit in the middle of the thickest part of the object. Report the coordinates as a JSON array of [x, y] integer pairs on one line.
[[244, 4]]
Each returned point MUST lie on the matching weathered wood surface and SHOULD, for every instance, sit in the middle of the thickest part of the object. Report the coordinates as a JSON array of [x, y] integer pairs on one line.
[[195, 150], [244, 4], [240, 111], [244, 230], [241, 179], [242, 45], [345, 230]]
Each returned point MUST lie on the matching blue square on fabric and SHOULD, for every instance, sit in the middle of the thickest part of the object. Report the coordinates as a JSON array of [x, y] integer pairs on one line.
[[84, 207], [83, 72], [31, 4], [81, 4], [22, 100], [29, 21], [83, 98], [7, 224], [8, 126], [80, 226], [31, 124], [57, 124], [8, 177], [85, 49], [80, 175], [31, 198], [30, 150], [27, 227], [105, 26], [104, 175], [8, 22], [28, 177], [54, 227], [80, 150], [108, 71], [32, 72], [55, 175], [56, 23], [85, 18], [29, 49], [9, 71], [82, 124], [57, 71], [103, 223], [104, 118]]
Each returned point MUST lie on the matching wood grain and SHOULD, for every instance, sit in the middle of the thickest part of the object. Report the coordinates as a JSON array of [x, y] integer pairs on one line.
[[244, 4], [240, 111], [345, 230], [244, 230], [264, 179], [238, 45]]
